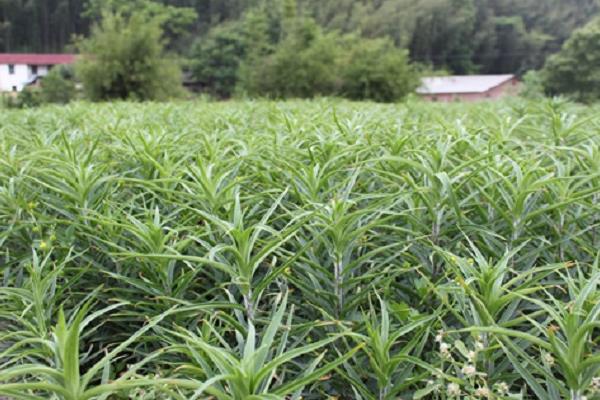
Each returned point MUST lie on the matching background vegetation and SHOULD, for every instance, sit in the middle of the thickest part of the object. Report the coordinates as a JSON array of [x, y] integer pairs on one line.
[[575, 71], [492, 36], [124, 59], [304, 48], [264, 250]]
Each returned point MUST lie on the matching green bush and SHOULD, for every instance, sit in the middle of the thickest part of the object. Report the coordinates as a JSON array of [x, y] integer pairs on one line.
[[216, 58], [309, 63], [303, 65], [533, 85], [30, 96], [375, 69], [575, 70], [124, 58], [58, 86]]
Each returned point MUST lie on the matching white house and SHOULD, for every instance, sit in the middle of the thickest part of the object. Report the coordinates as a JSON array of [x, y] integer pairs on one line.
[[19, 70]]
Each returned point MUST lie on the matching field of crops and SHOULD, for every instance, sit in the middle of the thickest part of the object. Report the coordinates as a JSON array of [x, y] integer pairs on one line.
[[300, 250]]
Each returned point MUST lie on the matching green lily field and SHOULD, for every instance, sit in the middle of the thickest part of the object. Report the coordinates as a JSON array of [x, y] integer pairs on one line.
[[300, 250]]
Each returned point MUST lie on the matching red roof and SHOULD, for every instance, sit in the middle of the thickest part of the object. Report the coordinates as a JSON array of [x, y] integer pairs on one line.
[[36, 59]]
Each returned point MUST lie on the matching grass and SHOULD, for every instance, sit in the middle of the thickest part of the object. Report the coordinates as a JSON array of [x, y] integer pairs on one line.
[[324, 249]]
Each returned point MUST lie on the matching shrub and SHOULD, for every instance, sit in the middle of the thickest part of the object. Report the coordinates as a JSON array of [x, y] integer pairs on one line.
[[375, 69], [308, 63], [216, 59], [303, 65], [124, 58], [28, 97], [575, 70], [58, 85], [533, 85]]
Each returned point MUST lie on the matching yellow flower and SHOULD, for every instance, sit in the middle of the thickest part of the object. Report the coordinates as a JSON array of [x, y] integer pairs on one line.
[[43, 245]]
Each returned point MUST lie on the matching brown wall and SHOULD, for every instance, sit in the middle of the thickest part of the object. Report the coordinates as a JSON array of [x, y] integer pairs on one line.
[[508, 88]]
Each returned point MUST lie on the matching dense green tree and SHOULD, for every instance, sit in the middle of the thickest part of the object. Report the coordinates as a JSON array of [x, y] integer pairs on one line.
[[39, 25], [58, 86], [462, 36], [175, 21], [575, 70], [533, 85], [302, 65], [308, 62], [261, 37], [216, 59], [444, 28], [375, 69], [489, 36], [124, 59]]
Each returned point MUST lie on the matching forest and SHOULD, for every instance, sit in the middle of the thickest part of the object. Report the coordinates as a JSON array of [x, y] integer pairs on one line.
[[460, 36]]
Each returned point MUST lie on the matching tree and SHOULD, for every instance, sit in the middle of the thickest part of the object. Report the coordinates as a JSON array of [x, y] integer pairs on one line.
[[58, 85], [375, 69], [175, 21], [533, 85], [303, 64], [464, 36], [124, 58], [441, 34], [575, 70], [261, 35], [216, 58]]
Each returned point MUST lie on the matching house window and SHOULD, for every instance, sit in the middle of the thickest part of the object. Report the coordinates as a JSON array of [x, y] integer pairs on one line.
[[11, 69], [14, 88], [34, 69]]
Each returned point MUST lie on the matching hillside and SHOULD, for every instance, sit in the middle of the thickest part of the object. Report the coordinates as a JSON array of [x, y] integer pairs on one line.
[[488, 36]]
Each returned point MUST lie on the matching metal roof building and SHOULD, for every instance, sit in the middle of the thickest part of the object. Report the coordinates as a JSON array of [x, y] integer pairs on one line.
[[467, 87]]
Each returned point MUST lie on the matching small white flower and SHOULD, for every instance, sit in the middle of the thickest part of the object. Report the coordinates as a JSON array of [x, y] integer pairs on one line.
[[453, 389], [472, 356], [502, 388], [445, 349], [596, 384], [469, 370], [479, 346], [548, 359], [439, 337], [482, 392]]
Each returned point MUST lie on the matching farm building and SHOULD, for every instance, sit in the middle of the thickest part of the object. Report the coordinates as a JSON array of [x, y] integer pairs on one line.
[[468, 87], [19, 70]]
